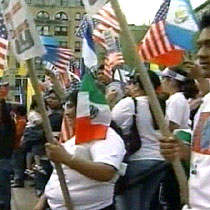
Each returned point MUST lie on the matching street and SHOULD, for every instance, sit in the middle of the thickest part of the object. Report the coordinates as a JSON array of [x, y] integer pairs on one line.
[[23, 198]]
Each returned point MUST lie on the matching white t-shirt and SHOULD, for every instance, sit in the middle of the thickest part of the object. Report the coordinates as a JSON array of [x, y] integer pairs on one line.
[[178, 110], [122, 115], [34, 118], [87, 194], [199, 183]]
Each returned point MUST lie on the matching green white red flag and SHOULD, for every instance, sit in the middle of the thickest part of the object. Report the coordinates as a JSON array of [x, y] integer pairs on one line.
[[93, 112]]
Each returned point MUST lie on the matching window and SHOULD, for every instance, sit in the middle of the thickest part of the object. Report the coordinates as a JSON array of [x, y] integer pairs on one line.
[[64, 2], [39, 2], [61, 31], [76, 29], [63, 44], [17, 65], [17, 98], [61, 16], [42, 15], [77, 46], [28, 1], [38, 63], [18, 82], [43, 30], [79, 3], [78, 16]]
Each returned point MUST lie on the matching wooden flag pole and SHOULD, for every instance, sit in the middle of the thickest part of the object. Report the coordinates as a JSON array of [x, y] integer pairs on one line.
[[48, 132], [144, 77]]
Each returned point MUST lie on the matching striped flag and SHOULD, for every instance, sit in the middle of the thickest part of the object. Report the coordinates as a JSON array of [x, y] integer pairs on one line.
[[59, 57], [107, 21], [3, 43], [93, 112], [163, 44], [62, 76], [113, 60], [66, 130], [88, 47]]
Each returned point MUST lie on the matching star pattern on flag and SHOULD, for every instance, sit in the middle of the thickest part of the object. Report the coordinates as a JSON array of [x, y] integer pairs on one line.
[[84, 25], [3, 31], [162, 12]]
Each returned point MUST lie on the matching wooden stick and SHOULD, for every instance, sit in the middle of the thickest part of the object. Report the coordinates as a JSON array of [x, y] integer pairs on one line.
[[144, 77], [48, 132]]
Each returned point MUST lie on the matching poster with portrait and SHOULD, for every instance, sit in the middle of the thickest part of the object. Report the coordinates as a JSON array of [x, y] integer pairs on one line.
[[22, 34], [93, 6]]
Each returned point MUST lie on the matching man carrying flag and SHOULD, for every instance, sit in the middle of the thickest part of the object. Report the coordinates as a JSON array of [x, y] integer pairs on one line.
[[199, 152], [91, 158]]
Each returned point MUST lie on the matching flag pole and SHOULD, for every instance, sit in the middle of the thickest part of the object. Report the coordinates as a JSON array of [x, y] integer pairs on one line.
[[144, 78], [48, 132]]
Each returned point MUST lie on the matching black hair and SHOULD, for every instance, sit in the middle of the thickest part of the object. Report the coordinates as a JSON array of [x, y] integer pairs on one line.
[[188, 86], [153, 77], [156, 83], [33, 103], [21, 110], [205, 20], [101, 67]]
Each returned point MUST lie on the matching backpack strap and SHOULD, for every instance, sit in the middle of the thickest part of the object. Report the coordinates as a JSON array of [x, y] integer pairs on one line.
[[135, 105]]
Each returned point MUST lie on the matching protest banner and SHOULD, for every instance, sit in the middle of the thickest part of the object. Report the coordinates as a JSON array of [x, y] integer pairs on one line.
[[22, 34]]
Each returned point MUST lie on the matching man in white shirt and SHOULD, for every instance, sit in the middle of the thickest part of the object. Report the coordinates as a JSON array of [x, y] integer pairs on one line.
[[199, 187]]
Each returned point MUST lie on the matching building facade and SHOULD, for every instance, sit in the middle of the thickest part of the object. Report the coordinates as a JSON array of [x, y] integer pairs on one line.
[[57, 18]]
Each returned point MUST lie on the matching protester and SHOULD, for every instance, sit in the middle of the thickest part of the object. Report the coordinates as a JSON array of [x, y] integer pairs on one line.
[[114, 93], [7, 136], [18, 156], [180, 88], [101, 76], [199, 189], [55, 115], [144, 195], [55, 111], [90, 169]]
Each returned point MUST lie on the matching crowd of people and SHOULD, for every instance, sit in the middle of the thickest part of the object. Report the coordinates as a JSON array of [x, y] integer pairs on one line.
[[113, 173]]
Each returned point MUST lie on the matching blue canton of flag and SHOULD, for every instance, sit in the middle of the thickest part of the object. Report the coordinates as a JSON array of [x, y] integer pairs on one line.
[[60, 57], [162, 12], [3, 43], [88, 47]]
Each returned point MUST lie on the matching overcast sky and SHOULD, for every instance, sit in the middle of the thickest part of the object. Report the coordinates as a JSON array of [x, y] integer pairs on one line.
[[143, 11]]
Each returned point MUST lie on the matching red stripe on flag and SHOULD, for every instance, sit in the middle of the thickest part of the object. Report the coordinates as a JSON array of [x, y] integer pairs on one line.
[[108, 21], [156, 43], [86, 132]]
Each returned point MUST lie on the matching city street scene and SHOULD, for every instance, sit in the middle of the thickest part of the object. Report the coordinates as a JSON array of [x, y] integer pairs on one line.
[[104, 104]]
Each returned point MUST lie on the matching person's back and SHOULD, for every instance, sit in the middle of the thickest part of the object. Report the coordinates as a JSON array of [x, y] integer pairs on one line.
[[7, 130], [7, 135]]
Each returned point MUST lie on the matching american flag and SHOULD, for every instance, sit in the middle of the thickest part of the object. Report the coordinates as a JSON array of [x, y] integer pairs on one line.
[[156, 42], [107, 21], [60, 57], [3, 43], [83, 27], [113, 60], [66, 130]]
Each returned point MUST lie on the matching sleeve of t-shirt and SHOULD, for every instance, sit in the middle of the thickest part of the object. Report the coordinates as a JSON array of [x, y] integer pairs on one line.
[[109, 151], [122, 113], [175, 111]]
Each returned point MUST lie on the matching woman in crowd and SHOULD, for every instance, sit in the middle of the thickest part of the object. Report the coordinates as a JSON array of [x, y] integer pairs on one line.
[[90, 169], [146, 165], [180, 88]]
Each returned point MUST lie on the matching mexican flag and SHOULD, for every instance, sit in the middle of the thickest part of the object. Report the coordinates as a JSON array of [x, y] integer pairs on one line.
[[93, 112]]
